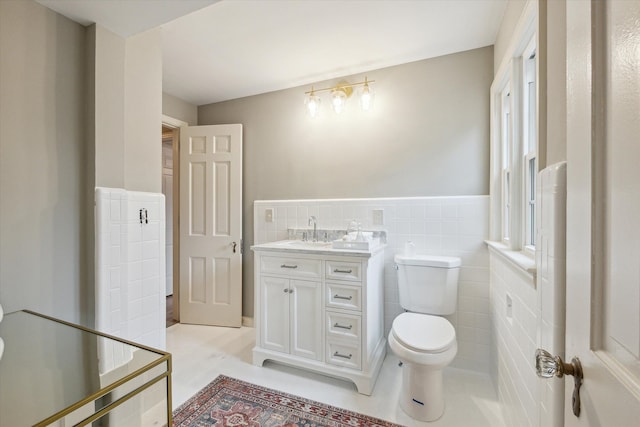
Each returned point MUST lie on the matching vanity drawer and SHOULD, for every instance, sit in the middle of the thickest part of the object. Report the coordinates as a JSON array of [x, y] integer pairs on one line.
[[344, 296], [346, 326], [344, 354], [293, 267], [344, 270]]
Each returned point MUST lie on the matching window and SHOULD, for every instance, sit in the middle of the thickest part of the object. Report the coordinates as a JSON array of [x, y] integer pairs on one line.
[[529, 140], [514, 139], [505, 163]]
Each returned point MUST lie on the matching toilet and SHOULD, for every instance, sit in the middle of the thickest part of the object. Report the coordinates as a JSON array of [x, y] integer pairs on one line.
[[423, 341]]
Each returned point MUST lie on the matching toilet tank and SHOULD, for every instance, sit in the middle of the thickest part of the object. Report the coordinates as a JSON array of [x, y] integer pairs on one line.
[[428, 284]]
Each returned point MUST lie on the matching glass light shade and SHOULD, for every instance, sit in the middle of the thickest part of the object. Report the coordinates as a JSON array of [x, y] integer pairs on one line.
[[312, 102], [366, 97], [338, 100]]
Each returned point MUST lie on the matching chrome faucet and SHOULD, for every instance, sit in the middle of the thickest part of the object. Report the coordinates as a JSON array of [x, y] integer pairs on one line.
[[314, 220]]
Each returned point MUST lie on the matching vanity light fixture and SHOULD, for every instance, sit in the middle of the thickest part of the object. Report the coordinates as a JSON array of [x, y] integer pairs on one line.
[[339, 95], [312, 102], [366, 96]]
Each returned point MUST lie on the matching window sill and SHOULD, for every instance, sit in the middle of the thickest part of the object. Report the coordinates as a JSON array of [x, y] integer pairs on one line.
[[523, 262]]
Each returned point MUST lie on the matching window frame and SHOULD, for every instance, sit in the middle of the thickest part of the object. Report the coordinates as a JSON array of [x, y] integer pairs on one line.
[[506, 145], [513, 189], [529, 143]]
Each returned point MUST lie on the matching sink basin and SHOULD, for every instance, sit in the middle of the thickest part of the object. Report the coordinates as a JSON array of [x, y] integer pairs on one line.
[[302, 244], [366, 245]]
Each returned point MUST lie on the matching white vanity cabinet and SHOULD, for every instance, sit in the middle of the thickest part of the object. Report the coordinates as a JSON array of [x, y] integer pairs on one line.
[[321, 310], [291, 320]]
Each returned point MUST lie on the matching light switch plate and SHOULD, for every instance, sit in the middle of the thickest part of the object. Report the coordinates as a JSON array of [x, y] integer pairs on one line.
[[378, 217], [268, 215]]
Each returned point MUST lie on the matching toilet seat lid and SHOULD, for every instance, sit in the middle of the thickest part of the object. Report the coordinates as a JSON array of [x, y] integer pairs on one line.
[[424, 333]]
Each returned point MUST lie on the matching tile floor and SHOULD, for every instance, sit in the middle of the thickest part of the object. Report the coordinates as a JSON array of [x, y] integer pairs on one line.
[[201, 353]]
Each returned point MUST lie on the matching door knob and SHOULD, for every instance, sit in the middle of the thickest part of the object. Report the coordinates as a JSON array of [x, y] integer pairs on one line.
[[548, 366]]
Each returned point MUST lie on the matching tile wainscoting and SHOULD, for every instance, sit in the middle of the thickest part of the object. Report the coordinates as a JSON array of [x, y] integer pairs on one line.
[[528, 311], [513, 310], [452, 226], [130, 267]]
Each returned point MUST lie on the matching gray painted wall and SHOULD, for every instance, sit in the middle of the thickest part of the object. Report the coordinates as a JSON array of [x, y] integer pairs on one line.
[[78, 108], [428, 135], [143, 112], [108, 61], [556, 90], [43, 205], [176, 108], [126, 94]]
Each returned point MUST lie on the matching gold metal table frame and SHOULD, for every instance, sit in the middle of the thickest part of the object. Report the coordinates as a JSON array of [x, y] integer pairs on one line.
[[56, 373]]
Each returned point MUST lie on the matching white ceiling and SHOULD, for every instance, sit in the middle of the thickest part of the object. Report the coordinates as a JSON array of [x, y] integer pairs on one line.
[[219, 50]]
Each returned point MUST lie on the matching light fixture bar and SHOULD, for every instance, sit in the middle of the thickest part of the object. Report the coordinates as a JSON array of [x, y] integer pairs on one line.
[[339, 86]]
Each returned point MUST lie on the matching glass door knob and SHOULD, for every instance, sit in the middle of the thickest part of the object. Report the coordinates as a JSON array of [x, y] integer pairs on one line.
[[548, 366]]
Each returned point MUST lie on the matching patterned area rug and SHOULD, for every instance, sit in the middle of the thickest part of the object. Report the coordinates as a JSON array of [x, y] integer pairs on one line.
[[234, 403]]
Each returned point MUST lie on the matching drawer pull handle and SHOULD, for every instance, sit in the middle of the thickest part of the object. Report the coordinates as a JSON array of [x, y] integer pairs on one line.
[[337, 270], [349, 298], [344, 356], [288, 266], [337, 325]]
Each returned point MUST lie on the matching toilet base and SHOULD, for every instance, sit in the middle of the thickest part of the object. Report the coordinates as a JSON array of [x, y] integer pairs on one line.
[[422, 395]]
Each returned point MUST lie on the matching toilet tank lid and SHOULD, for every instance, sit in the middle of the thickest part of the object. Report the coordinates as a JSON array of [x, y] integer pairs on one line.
[[428, 260]]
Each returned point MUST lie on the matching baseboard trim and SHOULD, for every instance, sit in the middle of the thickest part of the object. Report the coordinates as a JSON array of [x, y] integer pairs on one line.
[[247, 321]]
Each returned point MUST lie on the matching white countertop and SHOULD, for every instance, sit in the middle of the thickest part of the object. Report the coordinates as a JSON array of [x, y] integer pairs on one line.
[[315, 248]]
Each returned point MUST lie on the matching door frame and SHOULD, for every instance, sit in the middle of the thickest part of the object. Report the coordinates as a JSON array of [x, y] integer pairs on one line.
[[175, 124]]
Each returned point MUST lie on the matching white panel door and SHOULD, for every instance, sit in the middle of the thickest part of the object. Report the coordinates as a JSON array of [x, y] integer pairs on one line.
[[274, 322], [211, 225], [305, 299], [603, 204]]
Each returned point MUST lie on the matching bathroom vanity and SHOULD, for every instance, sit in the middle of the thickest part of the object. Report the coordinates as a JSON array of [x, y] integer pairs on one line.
[[321, 309]]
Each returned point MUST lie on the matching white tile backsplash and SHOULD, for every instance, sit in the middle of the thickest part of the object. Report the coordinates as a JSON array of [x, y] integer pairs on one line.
[[453, 226]]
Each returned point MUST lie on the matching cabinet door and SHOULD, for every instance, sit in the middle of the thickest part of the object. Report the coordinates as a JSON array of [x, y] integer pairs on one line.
[[274, 326], [306, 319]]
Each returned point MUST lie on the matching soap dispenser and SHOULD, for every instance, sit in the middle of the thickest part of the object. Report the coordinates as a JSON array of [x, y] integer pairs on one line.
[[359, 236], [353, 226]]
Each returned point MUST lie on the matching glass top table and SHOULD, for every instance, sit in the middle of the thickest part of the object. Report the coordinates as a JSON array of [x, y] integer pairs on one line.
[[56, 373]]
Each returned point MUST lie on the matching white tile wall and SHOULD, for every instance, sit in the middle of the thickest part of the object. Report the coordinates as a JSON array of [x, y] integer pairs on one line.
[[513, 313], [528, 315], [551, 284], [130, 272], [454, 226], [111, 272]]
